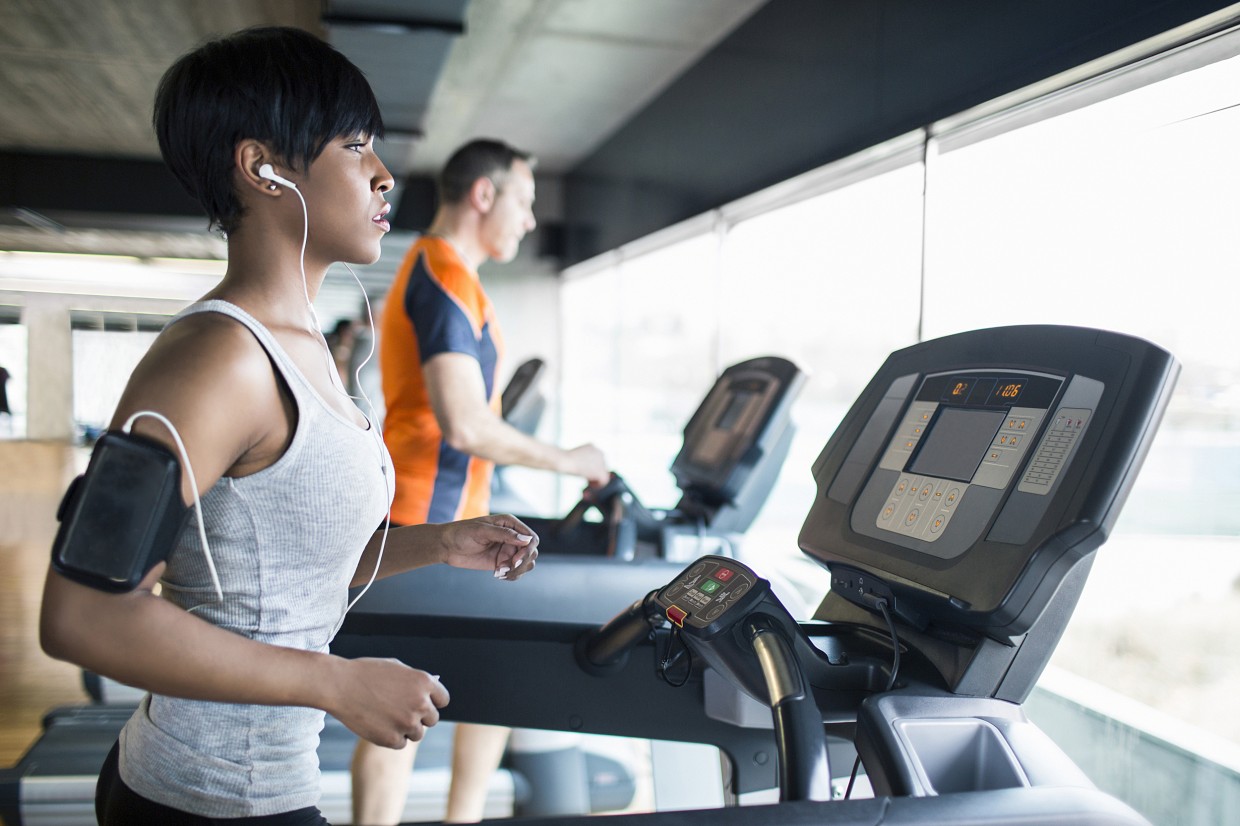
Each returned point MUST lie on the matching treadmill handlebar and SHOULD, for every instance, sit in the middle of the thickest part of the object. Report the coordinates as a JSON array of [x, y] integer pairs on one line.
[[804, 770], [629, 507], [605, 650], [594, 498]]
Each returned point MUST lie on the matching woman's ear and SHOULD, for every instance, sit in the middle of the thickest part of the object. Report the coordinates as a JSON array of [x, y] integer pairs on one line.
[[249, 158]]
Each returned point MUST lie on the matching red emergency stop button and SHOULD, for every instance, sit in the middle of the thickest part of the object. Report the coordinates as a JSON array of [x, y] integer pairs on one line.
[[676, 615]]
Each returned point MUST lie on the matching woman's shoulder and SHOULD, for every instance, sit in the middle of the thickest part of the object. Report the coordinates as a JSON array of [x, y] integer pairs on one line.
[[211, 342], [205, 354], [210, 377]]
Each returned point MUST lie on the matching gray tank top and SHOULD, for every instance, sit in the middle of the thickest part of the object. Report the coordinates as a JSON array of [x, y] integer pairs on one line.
[[286, 542]]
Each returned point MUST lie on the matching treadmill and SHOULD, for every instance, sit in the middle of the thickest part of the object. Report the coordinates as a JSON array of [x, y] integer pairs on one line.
[[734, 446], [959, 505]]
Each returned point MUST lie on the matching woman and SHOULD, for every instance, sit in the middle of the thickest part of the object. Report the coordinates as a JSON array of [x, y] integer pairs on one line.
[[272, 131]]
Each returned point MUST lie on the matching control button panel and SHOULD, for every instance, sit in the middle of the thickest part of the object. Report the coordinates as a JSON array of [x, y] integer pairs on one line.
[[921, 506], [1009, 447], [1057, 446], [912, 428], [705, 591]]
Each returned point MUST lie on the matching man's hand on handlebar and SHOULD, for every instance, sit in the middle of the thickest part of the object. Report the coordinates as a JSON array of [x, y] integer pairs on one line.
[[588, 461], [598, 493]]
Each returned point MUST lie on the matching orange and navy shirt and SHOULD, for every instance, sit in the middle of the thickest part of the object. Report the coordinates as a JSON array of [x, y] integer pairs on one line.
[[435, 305]]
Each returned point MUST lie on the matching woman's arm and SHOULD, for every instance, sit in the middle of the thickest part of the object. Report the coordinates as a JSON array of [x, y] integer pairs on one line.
[[197, 375], [499, 543], [145, 641]]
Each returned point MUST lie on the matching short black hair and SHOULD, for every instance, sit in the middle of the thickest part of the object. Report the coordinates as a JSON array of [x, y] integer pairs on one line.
[[479, 158], [275, 84]]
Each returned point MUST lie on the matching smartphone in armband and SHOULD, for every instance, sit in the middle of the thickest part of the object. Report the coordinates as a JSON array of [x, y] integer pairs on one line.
[[123, 516]]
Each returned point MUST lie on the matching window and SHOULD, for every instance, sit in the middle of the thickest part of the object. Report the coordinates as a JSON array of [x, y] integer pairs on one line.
[[832, 283], [13, 361], [102, 362], [1122, 215], [639, 355], [818, 281]]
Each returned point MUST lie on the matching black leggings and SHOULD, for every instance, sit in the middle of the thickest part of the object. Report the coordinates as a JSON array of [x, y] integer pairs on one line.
[[118, 805]]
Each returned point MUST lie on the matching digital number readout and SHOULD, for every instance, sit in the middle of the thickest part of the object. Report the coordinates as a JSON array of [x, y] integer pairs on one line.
[[982, 391], [1007, 390]]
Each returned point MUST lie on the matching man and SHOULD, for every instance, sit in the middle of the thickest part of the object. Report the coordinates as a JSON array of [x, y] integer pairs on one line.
[[439, 349]]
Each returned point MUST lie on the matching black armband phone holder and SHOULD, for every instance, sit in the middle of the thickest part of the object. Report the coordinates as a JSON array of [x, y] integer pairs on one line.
[[123, 516]]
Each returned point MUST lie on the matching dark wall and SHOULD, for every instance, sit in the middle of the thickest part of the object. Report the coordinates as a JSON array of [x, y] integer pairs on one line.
[[806, 82], [56, 184], [140, 192]]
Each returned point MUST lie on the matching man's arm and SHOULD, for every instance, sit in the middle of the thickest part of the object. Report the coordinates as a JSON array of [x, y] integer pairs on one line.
[[458, 399]]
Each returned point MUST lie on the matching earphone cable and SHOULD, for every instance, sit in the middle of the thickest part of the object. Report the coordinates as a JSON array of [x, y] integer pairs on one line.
[[388, 481], [334, 378]]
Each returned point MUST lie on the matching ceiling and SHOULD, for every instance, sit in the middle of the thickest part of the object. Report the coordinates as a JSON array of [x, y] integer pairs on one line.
[[77, 77], [642, 112]]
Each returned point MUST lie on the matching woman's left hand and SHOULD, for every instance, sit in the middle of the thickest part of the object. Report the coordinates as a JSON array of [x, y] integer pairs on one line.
[[500, 543]]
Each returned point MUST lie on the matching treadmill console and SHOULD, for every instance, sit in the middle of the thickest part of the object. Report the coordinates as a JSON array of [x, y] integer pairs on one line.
[[976, 470], [521, 403], [736, 441], [957, 449]]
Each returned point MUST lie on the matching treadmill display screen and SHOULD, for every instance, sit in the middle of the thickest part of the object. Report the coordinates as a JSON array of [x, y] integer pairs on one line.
[[956, 443], [732, 413]]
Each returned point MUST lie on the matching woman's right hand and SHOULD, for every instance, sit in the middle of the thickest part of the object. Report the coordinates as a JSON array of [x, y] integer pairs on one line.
[[386, 701]]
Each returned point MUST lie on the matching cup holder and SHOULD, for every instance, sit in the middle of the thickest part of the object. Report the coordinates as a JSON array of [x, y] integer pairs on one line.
[[959, 755]]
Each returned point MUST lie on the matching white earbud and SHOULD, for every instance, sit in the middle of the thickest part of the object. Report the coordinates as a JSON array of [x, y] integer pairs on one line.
[[266, 171]]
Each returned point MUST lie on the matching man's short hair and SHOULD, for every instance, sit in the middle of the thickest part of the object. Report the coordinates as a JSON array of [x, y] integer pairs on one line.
[[279, 85], [482, 158]]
